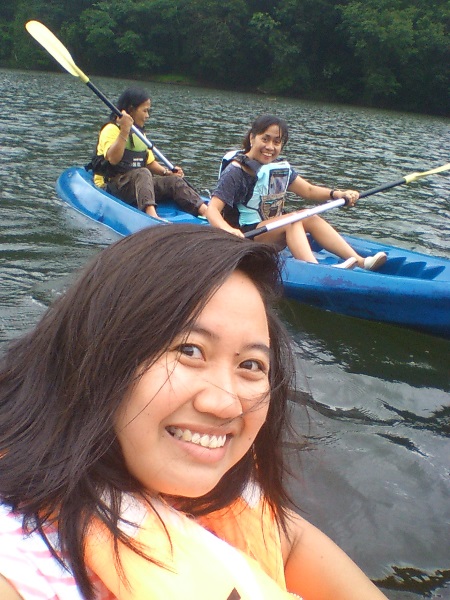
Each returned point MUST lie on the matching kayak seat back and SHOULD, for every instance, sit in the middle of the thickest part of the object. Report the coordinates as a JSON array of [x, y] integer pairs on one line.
[[415, 269]]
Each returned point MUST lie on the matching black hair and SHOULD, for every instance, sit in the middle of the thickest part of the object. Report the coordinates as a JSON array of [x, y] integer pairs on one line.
[[261, 124], [62, 383], [130, 98]]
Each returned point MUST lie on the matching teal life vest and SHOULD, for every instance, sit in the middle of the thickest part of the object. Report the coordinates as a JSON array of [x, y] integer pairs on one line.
[[269, 193]]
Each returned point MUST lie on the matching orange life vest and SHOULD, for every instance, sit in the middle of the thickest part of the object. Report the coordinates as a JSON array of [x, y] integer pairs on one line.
[[231, 554]]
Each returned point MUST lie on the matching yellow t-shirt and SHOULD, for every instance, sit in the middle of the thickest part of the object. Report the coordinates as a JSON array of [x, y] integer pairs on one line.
[[108, 136]]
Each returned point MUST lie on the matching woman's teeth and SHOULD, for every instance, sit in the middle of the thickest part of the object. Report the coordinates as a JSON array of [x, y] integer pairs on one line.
[[207, 441]]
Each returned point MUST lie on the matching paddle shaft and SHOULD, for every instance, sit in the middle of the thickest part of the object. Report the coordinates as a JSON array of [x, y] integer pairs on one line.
[[299, 216], [294, 217], [403, 180], [381, 188]]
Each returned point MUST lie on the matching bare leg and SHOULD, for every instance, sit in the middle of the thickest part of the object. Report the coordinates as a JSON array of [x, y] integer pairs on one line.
[[330, 239], [294, 237]]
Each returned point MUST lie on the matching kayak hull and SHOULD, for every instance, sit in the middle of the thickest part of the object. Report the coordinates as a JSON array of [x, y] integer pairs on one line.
[[412, 289]]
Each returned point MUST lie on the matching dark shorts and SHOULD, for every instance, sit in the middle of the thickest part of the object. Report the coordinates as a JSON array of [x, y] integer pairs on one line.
[[245, 228]]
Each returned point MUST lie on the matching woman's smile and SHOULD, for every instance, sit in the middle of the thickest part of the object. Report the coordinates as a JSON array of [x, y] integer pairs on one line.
[[201, 439]]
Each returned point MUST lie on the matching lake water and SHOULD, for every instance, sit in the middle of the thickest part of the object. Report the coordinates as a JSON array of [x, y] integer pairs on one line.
[[375, 470]]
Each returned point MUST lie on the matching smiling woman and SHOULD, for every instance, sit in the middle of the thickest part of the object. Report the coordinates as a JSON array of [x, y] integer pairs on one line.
[[141, 427], [251, 193]]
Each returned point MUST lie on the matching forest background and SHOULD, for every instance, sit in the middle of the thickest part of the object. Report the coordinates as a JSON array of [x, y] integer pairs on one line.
[[391, 54]]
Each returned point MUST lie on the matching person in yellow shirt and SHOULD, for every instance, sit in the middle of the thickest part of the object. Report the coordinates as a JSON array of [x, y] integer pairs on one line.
[[127, 168]]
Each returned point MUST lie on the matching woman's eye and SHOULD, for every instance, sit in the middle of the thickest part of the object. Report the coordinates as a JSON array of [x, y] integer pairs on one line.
[[254, 365], [276, 142], [190, 350]]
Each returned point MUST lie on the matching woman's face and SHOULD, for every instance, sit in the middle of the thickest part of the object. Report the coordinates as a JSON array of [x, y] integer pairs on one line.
[[196, 411], [266, 146], [141, 113]]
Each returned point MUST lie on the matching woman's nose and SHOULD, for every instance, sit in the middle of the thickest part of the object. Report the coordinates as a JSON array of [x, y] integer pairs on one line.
[[219, 397]]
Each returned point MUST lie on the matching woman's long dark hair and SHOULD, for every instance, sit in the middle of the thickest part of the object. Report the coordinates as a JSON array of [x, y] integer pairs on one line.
[[261, 124], [62, 383]]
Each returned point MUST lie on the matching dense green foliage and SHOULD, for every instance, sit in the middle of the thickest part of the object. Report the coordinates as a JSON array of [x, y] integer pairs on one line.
[[383, 53]]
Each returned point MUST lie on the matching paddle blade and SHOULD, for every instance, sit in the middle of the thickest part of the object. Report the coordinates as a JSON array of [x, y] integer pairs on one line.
[[414, 176], [50, 42]]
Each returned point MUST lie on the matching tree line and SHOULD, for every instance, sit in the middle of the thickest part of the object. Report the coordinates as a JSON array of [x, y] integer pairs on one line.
[[391, 54]]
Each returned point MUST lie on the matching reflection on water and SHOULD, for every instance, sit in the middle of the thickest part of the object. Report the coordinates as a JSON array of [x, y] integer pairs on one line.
[[417, 582], [377, 429], [372, 400], [376, 349]]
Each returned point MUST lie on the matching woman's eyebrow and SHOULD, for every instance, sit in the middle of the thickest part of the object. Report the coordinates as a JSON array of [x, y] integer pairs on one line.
[[213, 336]]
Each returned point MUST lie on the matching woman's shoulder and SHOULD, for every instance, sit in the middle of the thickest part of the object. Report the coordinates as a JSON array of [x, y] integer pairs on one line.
[[109, 130], [28, 566], [237, 174], [110, 126], [234, 185]]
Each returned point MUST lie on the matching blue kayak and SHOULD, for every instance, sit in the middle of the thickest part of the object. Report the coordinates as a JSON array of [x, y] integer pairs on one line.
[[411, 289]]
